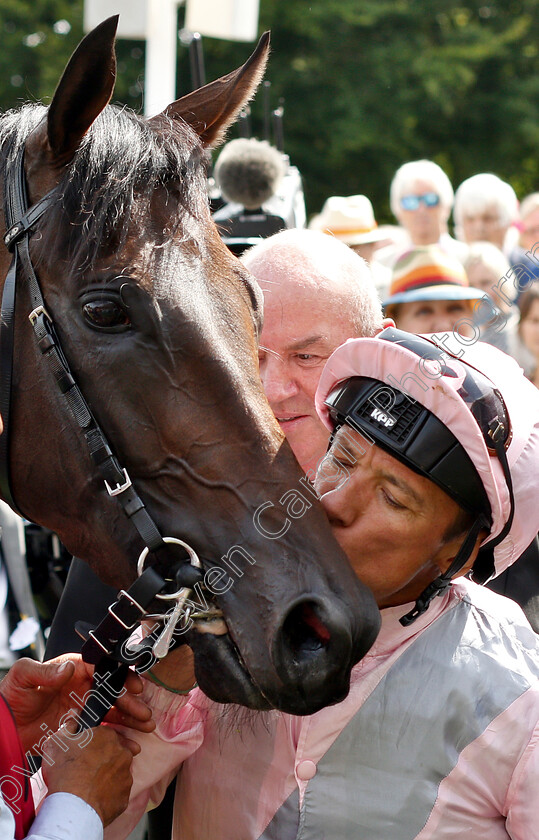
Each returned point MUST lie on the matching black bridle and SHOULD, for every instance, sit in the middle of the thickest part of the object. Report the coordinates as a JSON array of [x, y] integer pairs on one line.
[[104, 646], [20, 222]]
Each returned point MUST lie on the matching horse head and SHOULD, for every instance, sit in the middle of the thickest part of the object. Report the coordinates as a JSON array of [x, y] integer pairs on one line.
[[159, 324]]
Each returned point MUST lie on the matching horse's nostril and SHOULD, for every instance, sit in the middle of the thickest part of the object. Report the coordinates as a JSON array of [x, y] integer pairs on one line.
[[312, 646], [303, 631]]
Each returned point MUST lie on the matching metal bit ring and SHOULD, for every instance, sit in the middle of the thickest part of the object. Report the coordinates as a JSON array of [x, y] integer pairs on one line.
[[193, 558]]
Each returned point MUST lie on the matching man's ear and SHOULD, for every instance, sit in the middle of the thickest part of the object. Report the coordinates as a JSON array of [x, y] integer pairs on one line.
[[387, 322], [451, 548]]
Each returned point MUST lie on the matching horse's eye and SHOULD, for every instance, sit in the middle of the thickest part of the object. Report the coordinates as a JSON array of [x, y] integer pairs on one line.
[[106, 314]]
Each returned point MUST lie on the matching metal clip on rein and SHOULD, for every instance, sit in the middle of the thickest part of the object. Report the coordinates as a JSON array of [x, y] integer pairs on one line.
[[104, 645]]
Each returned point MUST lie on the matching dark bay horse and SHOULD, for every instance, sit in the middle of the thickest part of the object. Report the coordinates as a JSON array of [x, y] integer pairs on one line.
[[159, 323]]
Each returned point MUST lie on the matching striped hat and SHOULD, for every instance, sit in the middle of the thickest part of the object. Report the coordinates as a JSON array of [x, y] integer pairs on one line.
[[428, 273]]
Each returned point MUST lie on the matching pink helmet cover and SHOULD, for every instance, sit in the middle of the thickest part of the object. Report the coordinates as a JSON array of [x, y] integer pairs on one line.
[[421, 379]]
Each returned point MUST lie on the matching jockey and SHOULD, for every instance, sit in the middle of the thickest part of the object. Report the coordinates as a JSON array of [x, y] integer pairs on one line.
[[431, 485], [448, 422]]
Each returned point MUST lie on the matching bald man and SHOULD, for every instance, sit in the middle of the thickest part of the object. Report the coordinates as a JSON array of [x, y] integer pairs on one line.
[[317, 294]]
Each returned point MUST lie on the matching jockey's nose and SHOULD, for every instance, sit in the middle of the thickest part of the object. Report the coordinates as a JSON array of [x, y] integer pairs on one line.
[[345, 503]]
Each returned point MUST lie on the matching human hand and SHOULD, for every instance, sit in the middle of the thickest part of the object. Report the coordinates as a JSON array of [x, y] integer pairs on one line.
[[40, 694], [94, 765]]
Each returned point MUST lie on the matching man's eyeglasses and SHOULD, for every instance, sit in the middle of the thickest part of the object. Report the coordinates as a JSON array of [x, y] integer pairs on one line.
[[412, 202]]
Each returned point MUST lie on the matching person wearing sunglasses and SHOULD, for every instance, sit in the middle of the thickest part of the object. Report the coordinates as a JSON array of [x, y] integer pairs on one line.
[[421, 198], [430, 484]]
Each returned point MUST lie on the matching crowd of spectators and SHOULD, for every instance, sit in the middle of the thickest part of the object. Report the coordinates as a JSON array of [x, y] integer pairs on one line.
[[429, 280]]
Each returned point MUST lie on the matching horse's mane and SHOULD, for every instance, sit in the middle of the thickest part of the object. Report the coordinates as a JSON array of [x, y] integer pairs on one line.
[[120, 159]]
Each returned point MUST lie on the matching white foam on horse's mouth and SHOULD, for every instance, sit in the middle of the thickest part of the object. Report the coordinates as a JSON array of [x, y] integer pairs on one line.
[[216, 625], [210, 621]]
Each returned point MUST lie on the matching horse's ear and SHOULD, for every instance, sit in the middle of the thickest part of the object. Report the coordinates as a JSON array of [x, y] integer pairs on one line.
[[83, 91], [211, 109]]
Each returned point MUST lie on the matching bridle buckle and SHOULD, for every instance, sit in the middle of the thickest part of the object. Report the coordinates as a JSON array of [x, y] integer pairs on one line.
[[35, 313], [119, 487]]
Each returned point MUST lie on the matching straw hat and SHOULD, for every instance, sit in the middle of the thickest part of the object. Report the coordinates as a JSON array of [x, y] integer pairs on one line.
[[350, 219]]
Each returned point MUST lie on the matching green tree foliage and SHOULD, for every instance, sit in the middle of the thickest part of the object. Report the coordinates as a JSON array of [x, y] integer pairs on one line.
[[369, 84], [37, 38], [366, 84]]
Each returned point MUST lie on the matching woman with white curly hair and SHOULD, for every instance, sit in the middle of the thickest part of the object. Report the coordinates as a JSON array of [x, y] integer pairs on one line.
[[485, 210]]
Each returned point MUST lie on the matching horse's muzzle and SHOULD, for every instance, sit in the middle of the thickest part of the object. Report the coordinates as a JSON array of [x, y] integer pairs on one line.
[[314, 649], [313, 643]]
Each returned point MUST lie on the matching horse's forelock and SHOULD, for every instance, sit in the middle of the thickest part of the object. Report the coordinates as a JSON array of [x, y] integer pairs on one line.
[[120, 160], [15, 126]]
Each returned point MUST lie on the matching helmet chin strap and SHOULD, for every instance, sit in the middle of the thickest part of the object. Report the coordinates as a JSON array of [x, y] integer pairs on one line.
[[443, 582], [440, 584]]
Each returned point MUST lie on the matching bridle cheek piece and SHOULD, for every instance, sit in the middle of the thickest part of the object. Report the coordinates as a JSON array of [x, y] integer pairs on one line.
[[104, 645]]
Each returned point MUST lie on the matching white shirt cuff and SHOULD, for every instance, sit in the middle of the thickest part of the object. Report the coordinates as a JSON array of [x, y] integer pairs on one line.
[[64, 816]]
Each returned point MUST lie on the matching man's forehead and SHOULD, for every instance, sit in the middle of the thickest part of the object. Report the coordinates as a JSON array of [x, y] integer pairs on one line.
[[299, 282], [296, 327]]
